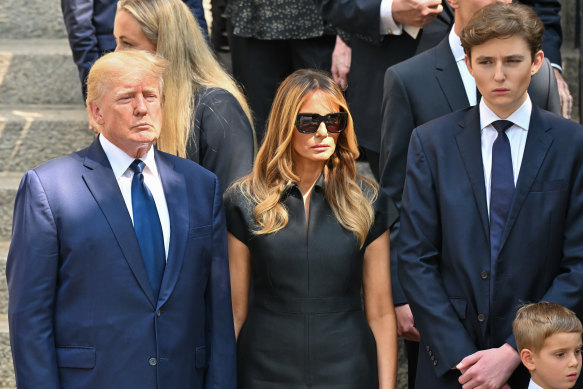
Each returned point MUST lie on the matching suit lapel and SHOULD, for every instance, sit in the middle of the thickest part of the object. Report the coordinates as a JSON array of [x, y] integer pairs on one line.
[[100, 180], [537, 144], [448, 77], [177, 202], [469, 143]]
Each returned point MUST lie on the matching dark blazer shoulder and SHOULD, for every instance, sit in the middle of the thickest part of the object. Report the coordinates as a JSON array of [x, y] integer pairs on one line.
[[450, 123], [416, 66]]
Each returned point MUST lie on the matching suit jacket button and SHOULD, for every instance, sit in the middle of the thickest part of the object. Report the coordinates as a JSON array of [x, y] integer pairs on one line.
[[427, 348], [434, 363], [484, 275], [153, 361], [481, 317], [158, 313]]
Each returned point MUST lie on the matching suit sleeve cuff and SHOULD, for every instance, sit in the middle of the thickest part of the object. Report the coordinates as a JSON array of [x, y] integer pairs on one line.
[[388, 25]]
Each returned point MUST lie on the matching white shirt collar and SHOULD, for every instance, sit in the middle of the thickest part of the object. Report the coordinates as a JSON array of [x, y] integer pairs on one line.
[[520, 117], [455, 43], [120, 160], [533, 385]]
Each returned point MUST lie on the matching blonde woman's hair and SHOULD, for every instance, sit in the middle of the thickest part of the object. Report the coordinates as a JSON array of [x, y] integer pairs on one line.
[[114, 67], [536, 322], [273, 171], [170, 25]]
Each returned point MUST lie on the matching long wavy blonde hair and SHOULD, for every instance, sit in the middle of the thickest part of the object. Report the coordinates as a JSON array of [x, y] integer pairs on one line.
[[170, 25], [273, 171]]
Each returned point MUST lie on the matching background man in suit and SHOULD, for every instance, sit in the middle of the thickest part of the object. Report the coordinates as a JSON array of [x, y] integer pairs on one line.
[[423, 88], [117, 270], [491, 212], [383, 33]]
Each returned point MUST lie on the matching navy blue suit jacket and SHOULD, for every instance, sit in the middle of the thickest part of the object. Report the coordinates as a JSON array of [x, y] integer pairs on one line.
[[444, 253], [421, 89], [81, 310]]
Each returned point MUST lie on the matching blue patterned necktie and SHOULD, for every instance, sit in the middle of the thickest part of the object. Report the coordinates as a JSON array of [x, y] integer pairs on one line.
[[148, 228], [501, 192]]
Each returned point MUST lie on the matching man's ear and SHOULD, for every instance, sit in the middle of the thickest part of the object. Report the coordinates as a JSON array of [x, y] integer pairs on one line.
[[96, 113], [468, 64], [527, 358], [537, 62]]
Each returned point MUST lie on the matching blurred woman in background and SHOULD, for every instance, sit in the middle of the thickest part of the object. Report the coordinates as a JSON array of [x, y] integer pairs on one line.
[[206, 117]]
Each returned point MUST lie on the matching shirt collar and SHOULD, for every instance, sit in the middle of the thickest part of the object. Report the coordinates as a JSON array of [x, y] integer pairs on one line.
[[533, 385], [520, 117], [120, 160], [455, 43]]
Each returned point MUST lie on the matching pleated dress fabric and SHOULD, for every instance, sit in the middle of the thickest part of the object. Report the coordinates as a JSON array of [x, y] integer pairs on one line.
[[306, 327]]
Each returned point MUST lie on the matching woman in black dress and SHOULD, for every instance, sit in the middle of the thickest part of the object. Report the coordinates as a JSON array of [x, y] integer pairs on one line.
[[305, 228]]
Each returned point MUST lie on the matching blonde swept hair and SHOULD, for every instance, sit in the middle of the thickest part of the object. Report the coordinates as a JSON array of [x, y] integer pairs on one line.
[[273, 171], [536, 322], [170, 25], [122, 65]]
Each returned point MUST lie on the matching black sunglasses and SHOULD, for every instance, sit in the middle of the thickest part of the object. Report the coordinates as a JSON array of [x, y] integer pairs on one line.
[[308, 123]]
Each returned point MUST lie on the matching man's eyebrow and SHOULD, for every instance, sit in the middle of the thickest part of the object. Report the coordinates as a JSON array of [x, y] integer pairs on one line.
[[517, 56]]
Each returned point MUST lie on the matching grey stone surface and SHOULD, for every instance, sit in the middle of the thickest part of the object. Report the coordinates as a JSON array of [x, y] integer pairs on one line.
[[30, 135], [7, 196], [3, 286], [38, 71], [21, 19], [6, 368]]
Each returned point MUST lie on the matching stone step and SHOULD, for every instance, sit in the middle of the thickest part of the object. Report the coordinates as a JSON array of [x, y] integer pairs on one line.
[[3, 287], [38, 71], [32, 134], [31, 19], [6, 369], [8, 186]]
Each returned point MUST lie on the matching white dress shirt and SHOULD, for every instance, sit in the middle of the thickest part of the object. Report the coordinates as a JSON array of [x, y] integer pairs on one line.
[[533, 385], [388, 26], [517, 134], [120, 163], [457, 50]]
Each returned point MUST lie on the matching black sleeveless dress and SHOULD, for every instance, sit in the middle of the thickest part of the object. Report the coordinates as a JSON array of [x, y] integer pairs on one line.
[[305, 326]]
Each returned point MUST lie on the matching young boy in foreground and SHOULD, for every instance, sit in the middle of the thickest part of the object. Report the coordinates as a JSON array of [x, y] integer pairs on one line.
[[548, 337]]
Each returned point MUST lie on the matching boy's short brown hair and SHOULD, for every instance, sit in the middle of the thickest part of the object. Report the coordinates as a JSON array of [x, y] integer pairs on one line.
[[499, 20], [536, 322]]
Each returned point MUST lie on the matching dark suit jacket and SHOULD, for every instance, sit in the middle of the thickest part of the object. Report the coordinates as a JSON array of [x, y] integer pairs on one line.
[[222, 139], [418, 90], [548, 12], [89, 26], [372, 54], [81, 310], [444, 253]]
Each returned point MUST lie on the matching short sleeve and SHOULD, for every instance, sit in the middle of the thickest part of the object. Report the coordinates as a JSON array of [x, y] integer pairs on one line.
[[239, 213], [385, 215]]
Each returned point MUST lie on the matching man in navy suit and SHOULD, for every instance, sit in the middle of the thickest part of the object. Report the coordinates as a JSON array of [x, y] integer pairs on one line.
[[425, 87], [117, 270], [491, 212]]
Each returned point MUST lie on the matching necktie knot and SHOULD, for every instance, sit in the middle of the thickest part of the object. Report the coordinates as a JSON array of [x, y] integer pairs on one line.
[[137, 166], [502, 125]]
